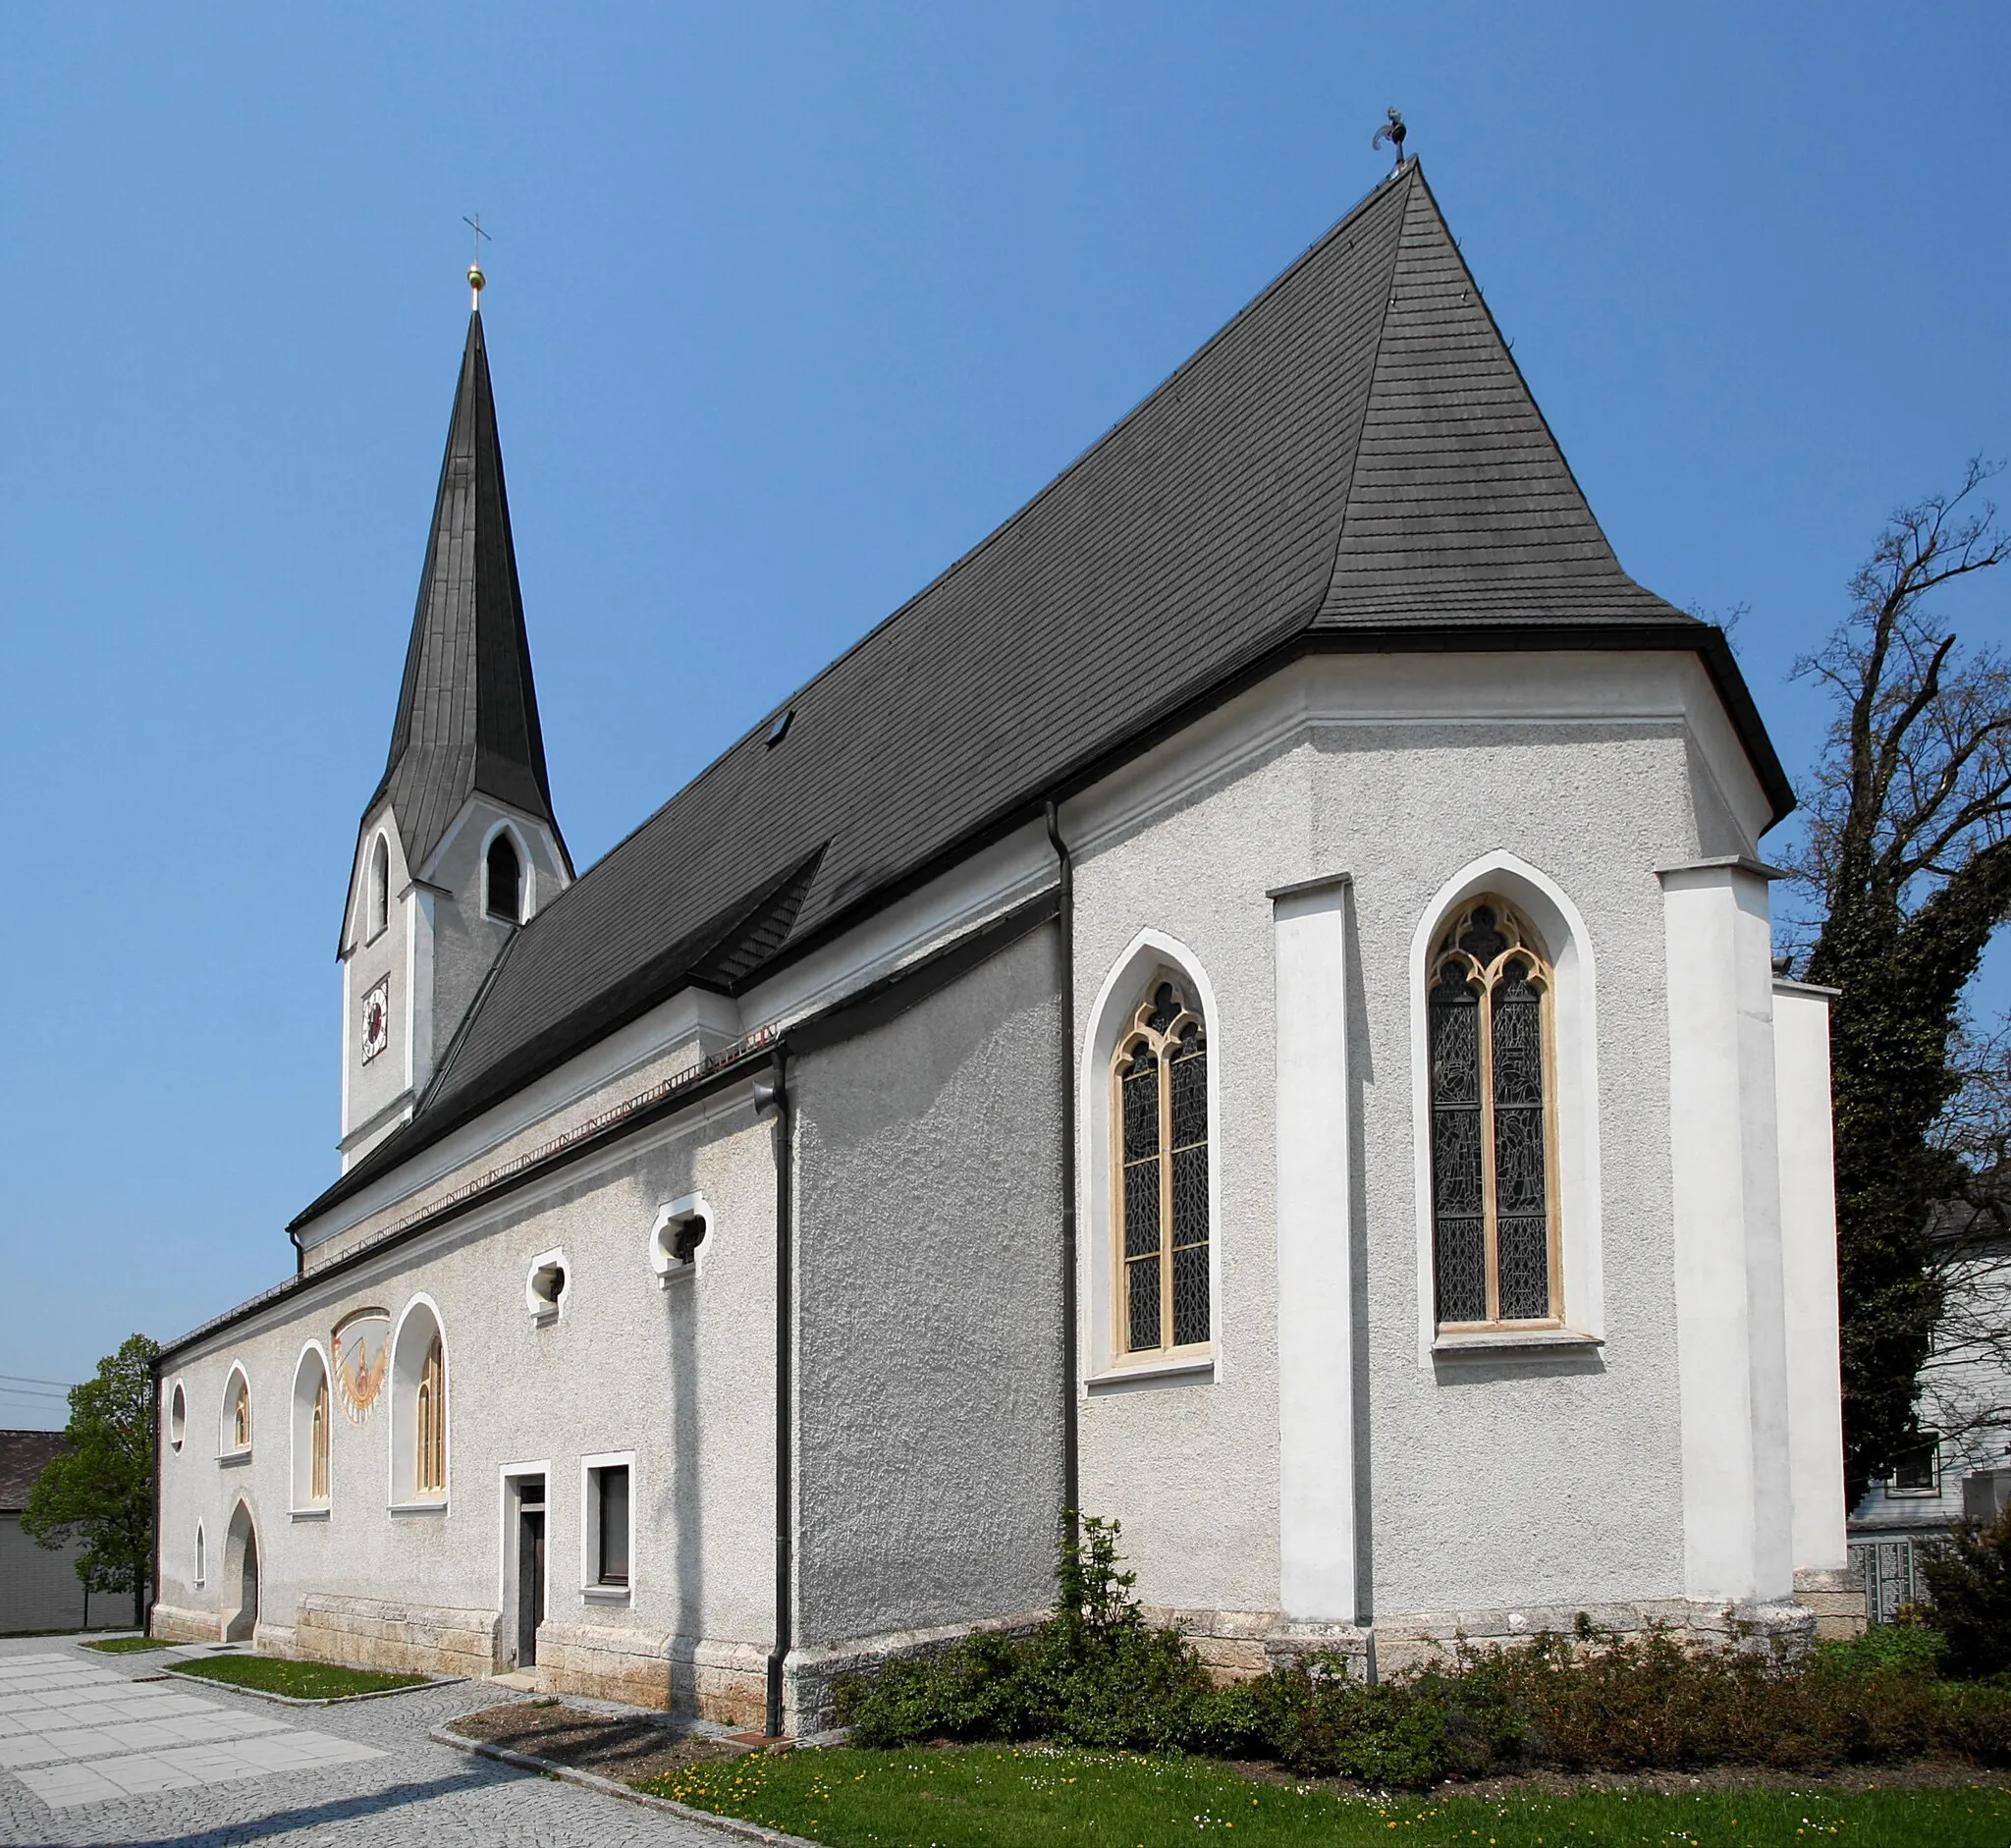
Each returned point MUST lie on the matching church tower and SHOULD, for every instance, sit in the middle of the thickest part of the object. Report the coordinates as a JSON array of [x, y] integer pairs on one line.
[[458, 848]]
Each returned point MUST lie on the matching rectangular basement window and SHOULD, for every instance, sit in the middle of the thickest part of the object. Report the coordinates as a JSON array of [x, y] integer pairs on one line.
[[609, 1528]]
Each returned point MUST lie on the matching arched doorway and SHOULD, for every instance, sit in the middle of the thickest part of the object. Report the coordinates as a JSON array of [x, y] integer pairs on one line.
[[241, 1566]]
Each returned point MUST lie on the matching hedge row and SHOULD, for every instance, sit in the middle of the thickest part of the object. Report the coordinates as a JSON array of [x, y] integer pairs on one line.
[[1096, 1674]]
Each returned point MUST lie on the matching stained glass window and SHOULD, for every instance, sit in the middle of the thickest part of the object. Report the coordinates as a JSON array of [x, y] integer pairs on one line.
[[1494, 1251], [1160, 1103]]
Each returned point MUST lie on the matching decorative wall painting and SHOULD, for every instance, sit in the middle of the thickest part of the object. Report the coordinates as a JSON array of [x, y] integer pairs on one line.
[[362, 1358]]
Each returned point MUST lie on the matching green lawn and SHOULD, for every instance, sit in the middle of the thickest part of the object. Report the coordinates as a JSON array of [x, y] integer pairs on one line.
[[1004, 1797], [121, 1645], [304, 1680]]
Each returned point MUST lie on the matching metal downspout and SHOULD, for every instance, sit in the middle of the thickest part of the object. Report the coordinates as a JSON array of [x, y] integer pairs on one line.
[[1070, 1474], [775, 1097]]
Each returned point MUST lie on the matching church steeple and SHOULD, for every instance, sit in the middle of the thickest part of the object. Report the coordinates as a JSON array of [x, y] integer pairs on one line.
[[458, 848], [467, 710]]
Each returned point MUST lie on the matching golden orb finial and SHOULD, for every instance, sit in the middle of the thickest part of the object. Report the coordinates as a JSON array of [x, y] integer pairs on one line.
[[477, 280]]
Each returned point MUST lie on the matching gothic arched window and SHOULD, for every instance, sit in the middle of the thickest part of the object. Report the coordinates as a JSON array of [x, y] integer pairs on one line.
[[317, 1467], [506, 880], [429, 1424], [1494, 1130], [1159, 1114], [236, 1412]]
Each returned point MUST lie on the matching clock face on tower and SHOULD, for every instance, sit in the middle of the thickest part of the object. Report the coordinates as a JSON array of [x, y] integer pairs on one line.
[[377, 1019]]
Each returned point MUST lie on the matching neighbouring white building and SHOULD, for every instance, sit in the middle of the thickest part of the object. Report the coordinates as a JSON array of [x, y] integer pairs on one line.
[[1245, 1007], [1961, 1469]]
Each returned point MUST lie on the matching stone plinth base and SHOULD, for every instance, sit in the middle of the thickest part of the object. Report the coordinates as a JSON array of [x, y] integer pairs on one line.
[[170, 1623], [723, 1682], [1837, 1599], [1240, 1644], [1407, 1642], [812, 1669], [375, 1633]]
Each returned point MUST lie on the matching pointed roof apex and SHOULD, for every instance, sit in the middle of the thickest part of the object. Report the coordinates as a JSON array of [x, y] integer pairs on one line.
[[468, 711]]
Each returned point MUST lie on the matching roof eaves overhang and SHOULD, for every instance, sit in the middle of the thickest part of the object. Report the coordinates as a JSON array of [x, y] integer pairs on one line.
[[721, 1078], [1680, 634]]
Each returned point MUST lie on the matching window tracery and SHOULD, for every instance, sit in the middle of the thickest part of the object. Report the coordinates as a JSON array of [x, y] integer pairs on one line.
[[1158, 1112], [1494, 1130]]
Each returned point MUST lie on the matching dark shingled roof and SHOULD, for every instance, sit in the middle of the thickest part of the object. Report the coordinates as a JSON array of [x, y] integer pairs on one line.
[[1355, 456], [468, 711], [23, 1455]]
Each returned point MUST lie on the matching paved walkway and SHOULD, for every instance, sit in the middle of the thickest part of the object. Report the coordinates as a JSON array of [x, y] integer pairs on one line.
[[94, 1751]]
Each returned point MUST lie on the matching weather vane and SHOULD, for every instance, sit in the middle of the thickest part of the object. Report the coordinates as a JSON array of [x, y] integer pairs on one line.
[[1392, 133], [475, 278]]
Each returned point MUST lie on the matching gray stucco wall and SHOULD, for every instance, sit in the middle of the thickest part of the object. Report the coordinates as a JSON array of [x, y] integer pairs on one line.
[[39, 1588], [681, 1377], [1516, 1480], [929, 1251]]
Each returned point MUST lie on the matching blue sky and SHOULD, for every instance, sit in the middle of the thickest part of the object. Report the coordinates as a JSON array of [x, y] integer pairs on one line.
[[789, 305]]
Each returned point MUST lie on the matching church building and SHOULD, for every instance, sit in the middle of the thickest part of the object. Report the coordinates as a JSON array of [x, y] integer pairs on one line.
[[1245, 1008]]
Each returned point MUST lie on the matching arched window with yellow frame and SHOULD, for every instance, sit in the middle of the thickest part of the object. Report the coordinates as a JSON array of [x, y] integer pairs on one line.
[[317, 1466], [1159, 1120], [429, 1424], [1492, 1033]]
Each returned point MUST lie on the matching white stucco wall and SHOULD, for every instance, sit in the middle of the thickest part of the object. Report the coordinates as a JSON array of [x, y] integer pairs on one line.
[[1808, 1226], [1498, 1479], [681, 1377], [438, 946]]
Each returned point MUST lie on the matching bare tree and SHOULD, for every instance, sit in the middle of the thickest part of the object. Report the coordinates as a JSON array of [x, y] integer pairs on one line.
[[1909, 859]]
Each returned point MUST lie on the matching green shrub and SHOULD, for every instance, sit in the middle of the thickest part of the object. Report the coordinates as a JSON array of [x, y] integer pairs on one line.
[[1907, 1649], [1096, 1674], [1969, 1581]]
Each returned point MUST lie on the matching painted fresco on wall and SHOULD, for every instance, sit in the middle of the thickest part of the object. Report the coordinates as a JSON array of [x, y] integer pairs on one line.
[[363, 1357]]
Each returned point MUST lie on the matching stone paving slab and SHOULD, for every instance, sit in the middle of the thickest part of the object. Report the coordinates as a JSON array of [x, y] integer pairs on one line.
[[372, 1774]]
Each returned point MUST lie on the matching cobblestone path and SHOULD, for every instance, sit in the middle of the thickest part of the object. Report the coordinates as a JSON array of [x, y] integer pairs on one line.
[[88, 1757]]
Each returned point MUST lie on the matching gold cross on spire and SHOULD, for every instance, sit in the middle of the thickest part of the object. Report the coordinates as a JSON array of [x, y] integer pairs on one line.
[[475, 278]]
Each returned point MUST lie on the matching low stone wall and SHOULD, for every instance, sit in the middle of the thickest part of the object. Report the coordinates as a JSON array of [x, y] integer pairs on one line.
[[723, 1682], [376, 1633], [810, 1672], [1836, 1597], [1239, 1645], [1405, 1641], [171, 1624]]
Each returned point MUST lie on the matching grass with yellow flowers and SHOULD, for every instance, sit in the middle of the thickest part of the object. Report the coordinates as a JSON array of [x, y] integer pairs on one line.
[[1006, 1797]]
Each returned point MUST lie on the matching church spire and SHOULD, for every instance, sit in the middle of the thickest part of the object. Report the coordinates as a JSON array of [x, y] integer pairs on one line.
[[468, 711]]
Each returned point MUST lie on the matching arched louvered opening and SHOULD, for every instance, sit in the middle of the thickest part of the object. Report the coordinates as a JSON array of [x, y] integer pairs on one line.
[[379, 897], [505, 879]]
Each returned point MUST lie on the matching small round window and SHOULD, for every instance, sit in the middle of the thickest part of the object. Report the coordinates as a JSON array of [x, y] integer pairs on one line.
[[678, 1238], [544, 1290], [178, 1417]]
